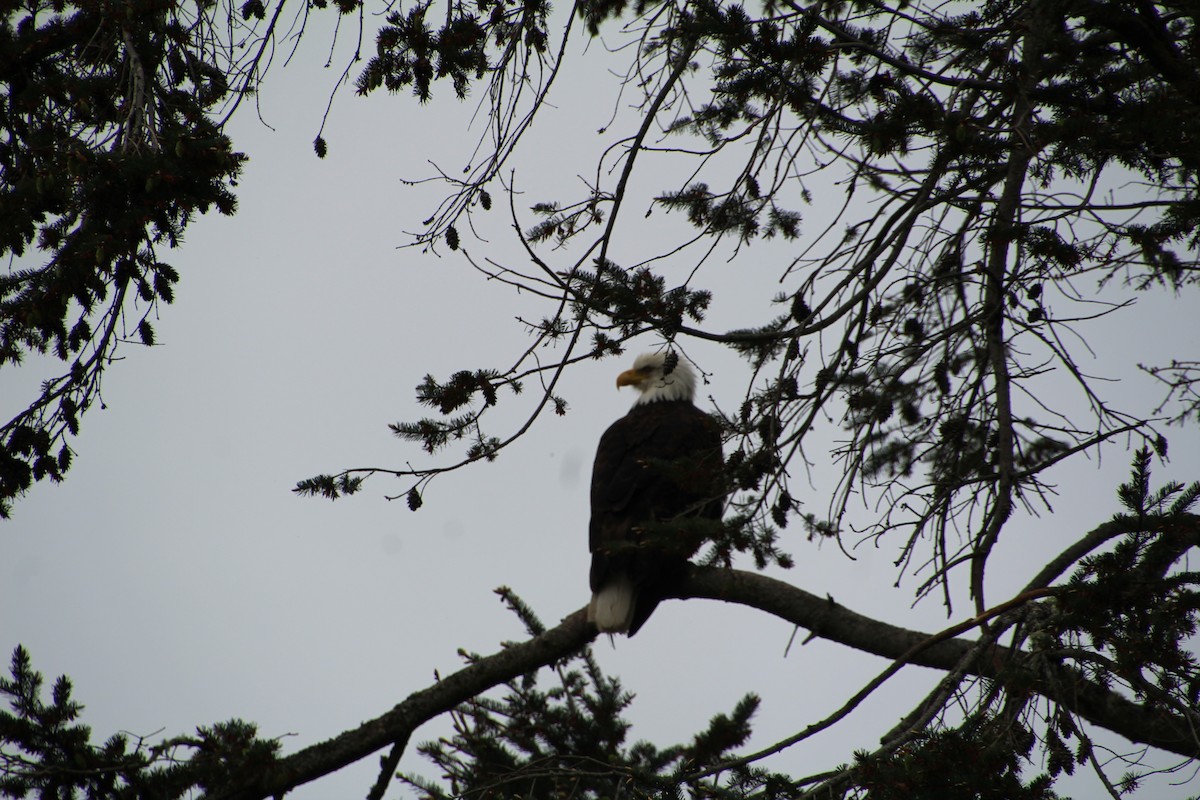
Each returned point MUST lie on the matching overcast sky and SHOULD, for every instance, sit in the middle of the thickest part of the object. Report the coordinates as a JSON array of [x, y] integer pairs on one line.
[[178, 580]]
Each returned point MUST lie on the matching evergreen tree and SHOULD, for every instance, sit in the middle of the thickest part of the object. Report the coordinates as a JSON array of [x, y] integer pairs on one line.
[[111, 145], [998, 167]]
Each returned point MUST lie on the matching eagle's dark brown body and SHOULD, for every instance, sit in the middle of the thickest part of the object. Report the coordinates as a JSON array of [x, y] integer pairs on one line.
[[660, 462]]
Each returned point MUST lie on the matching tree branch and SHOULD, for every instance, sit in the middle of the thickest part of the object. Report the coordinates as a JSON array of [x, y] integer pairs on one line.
[[829, 620], [398, 724], [823, 616]]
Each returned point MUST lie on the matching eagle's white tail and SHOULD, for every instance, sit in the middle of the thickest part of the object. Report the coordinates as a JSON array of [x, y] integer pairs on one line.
[[611, 608]]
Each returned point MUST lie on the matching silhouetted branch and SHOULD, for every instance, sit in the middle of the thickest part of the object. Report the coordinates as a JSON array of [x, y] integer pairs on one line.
[[397, 725], [830, 620], [824, 617]]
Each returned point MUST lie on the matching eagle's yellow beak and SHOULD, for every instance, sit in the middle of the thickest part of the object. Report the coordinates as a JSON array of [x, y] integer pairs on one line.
[[630, 377]]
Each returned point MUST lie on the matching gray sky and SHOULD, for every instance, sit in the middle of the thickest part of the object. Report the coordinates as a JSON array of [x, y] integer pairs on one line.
[[176, 578]]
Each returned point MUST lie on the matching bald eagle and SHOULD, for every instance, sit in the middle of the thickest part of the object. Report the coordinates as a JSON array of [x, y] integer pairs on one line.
[[657, 470]]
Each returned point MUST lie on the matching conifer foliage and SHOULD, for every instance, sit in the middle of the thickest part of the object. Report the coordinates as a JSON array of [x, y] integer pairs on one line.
[[1006, 179], [46, 752], [570, 740], [109, 148], [995, 165]]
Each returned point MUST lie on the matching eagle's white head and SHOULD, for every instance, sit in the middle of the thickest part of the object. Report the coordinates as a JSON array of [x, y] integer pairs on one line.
[[660, 376]]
